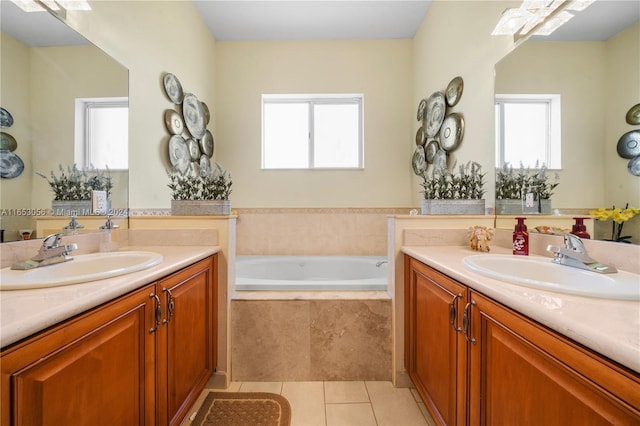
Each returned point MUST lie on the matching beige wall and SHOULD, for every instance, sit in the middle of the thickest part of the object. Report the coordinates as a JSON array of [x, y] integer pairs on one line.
[[381, 70], [455, 40], [14, 90], [575, 71], [623, 92], [151, 38]]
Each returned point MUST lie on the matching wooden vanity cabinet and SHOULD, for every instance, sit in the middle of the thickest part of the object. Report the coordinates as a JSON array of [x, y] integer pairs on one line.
[[185, 343], [94, 369], [123, 363], [436, 356], [517, 371]]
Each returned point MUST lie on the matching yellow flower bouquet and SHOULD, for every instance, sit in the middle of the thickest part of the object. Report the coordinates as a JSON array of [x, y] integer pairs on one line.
[[619, 217]]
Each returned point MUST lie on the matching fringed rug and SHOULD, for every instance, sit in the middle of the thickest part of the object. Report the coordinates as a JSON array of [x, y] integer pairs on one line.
[[243, 408]]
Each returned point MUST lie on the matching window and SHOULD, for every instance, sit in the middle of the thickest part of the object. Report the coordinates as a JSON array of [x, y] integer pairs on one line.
[[102, 133], [312, 132], [528, 130]]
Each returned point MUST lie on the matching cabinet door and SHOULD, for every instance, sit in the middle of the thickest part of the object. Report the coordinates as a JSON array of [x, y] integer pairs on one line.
[[186, 344], [437, 349], [96, 369], [522, 373]]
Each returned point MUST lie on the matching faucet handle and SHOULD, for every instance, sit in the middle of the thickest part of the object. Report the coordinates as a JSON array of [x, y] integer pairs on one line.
[[109, 223], [573, 242], [52, 241]]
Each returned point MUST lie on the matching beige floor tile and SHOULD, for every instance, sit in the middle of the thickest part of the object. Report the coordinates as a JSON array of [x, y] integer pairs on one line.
[[307, 403], [360, 414], [345, 392], [272, 387], [394, 406], [233, 387]]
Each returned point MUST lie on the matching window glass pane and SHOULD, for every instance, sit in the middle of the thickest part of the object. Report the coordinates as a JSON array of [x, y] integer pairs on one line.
[[525, 133], [108, 137], [286, 135], [336, 129]]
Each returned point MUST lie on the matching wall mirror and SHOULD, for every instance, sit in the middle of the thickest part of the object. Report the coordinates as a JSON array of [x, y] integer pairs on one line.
[[586, 62], [46, 69]]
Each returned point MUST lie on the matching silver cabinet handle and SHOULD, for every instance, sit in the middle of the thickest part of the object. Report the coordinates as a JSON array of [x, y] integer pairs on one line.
[[453, 312], [158, 312], [170, 305], [466, 322]]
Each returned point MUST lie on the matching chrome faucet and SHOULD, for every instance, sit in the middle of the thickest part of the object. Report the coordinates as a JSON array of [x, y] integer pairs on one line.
[[109, 223], [379, 263], [73, 225], [51, 252], [574, 254]]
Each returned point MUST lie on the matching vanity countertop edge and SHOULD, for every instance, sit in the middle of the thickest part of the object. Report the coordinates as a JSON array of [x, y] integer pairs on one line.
[[608, 327], [26, 312]]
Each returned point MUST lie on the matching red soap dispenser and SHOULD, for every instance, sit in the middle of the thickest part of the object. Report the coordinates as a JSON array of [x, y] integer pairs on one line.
[[579, 229], [520, 238]]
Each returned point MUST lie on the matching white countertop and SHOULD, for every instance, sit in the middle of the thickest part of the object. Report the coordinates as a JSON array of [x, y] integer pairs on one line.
[[609, 327], [25, 312]]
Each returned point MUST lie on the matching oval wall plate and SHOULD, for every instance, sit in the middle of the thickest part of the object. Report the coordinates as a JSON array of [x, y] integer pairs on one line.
[[633, 115], [629, 144]]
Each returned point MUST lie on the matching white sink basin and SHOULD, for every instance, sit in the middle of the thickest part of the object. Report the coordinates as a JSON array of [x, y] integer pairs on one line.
[[83, 268], [541, 273]]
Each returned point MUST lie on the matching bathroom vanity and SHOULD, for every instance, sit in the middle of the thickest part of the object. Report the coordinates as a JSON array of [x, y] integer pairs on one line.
[[477, 360], [141, 358]]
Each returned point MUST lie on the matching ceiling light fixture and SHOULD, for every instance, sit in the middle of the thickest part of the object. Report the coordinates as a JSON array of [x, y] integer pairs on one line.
[[57, 5], [540, 17]]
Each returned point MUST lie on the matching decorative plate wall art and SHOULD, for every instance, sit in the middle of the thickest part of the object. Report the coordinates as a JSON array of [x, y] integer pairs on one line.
[[442, 130], [454, 91], [193, 114], [190, 142], [419, 161], [436, 108], [173, 88], [6, 119], [628, 146], [633, 115], [11, 165], [179, 154]]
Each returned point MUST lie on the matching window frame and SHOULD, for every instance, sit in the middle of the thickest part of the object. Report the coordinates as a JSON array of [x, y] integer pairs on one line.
[[553, 142], [312, 100], [83, 108]]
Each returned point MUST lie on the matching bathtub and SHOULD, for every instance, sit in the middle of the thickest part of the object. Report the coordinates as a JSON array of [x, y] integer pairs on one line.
[[302, 273]]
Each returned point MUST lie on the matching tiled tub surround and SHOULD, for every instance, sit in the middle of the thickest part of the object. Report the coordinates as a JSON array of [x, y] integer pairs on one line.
[[310, 340], [315, 231], [321, 335], [609, 327]]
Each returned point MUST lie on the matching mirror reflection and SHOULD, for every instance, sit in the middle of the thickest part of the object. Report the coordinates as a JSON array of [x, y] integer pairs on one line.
[[68, 101], [592, 75]]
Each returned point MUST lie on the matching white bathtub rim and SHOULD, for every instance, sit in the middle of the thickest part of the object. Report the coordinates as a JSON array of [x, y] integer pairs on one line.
[[379, 283], [310, 295]]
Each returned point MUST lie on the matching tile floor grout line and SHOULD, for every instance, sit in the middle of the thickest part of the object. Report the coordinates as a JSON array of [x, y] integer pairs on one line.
[[324, 400], [366, 388]]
